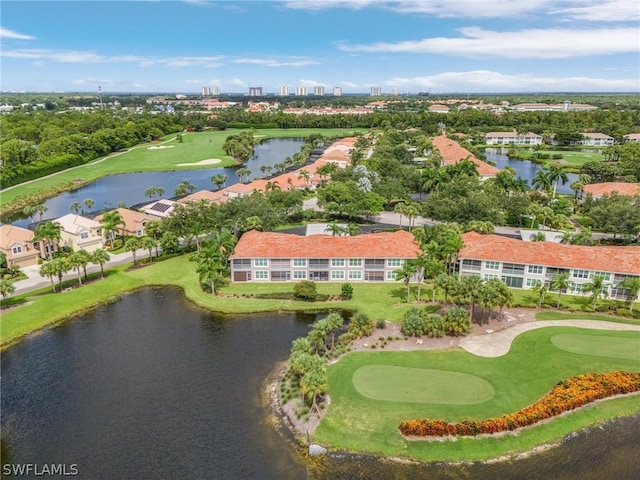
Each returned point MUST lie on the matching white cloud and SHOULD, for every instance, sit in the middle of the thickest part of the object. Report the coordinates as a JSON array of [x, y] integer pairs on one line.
[[604, 11], [237, 82], [6, 33], [57, 56], [92, 80], [489, 81], [269, 62], [311, 83], [350, 84], [533, 43], [193, 82]]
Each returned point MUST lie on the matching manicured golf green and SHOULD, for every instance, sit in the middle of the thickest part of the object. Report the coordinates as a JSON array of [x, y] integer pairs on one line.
[[421, 385], [599, 346], [358, 422]]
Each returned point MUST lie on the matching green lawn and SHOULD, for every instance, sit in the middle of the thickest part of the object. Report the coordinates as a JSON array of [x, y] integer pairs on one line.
[[569, 158], [599, 346], [532, 366], [195, 147]]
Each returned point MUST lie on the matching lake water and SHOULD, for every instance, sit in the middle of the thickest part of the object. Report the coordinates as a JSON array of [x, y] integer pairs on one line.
[[108, 192], [154, 388], [526, 169]]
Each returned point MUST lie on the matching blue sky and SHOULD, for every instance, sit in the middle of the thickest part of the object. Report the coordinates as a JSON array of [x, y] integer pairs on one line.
[[441, 46]]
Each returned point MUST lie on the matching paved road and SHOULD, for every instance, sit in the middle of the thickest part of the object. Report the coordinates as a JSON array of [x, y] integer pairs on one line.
[[498, 343]]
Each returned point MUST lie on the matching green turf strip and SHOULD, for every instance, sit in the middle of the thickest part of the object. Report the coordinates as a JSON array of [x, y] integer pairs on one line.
[[421, 385], [599, 346]]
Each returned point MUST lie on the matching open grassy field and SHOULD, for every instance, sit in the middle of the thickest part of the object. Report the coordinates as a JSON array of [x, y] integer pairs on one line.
[[144, 158], [569, 158], [533, 365]]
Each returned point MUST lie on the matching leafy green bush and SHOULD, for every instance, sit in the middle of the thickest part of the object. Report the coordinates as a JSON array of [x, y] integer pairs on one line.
[[457, 321], [360, 326], [346, 291], [305, 290], [381, 323], [414, 324]]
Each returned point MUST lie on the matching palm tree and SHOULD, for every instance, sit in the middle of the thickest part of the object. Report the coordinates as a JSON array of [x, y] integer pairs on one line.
[[184, 188], [111, 224], [209, 267], [335, 228], [50, 233], [100, 256], [219, 180], [405, 274], [632, 284], [154, 230], [30, 211], [243, 174], [6, 288], [596, 287], [555, 175], [60, 266], [541, 289], [84, 258], [447, 283], [131, 245], [411, 212], [538, 237], [148, 243], [306, 176], [353, 229], [41, 209], [314, 384], [560, 282], [89, 203], [399, 209], [541, 181], [471, 288], [75, 262], [75, 207], [47, 270]]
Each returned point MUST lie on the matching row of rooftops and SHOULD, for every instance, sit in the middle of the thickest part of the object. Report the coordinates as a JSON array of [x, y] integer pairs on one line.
[[452, 152]]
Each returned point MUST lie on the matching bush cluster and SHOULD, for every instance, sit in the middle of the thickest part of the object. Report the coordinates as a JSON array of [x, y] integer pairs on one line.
[[418, 322], [567, 395]]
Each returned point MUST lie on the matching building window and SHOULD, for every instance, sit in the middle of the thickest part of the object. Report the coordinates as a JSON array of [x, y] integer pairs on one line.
[[337, 262], [492, 265], [532, 282], [604, 275], [260, 262], [139, 232], [299, 262], [490, 276], [391, 275], [300, 274], [471, 264], [394, 262], [580, 274], [535, 269], [355, 262], [514, 282], [84, 235], [337, 275], [16, 249], [262, 275], [355, 275]]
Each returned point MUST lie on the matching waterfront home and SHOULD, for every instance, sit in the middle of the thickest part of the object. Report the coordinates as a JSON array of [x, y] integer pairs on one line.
[[134, 222], [588, 140], [523, 264], [159, 209], [19, 246], [78, 232], [453, 153], [599, 190], [282, 257], [632, 137], [512, 138]]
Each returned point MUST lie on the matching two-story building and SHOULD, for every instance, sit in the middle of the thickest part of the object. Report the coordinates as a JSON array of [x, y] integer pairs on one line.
[[19, 246], [79, 233], [524, 264], [512, 138], [282, 257]]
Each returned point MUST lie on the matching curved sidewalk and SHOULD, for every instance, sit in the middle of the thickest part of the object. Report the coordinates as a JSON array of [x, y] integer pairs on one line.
[[498, 343]]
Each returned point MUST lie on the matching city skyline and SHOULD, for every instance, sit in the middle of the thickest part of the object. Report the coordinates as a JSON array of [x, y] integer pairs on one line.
[[457, 46]]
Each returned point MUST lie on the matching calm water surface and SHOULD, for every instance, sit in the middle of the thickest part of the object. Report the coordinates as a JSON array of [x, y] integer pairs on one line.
[[108, 192], [154, 388]]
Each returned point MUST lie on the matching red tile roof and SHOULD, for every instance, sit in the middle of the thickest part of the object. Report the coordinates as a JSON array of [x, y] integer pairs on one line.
[[502, 249], [607, 188], [254, 244], [453, 153]]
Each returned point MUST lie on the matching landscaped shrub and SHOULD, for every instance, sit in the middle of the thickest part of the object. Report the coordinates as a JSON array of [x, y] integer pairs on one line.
[[305, 290], [457, 322], [360, 325], [434, 326], [568, 395], [413, 323], [381, 323], [346, 291]]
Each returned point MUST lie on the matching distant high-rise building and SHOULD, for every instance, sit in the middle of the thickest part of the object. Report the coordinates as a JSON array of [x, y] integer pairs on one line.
[[255, 91], [394, 91], [302, 91], [215, 91], [318, 91], [376, 91], [337, 91], [284, 91], [206, 91]]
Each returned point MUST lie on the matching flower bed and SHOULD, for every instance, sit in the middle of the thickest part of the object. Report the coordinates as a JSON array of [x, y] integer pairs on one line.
[[568, 395]]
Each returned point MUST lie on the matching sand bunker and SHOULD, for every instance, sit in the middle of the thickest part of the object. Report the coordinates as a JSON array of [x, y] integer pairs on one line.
[[209, 161], [160, 147]]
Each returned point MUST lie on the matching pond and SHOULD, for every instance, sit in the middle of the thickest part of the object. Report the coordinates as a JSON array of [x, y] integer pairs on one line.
[[108, 192], [152, 387], [525, 168]]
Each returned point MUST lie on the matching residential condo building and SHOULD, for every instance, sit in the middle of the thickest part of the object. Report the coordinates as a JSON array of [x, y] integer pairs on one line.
[[512, 138]]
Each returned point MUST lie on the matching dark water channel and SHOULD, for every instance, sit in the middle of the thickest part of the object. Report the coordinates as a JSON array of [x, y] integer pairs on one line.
[[108, 192], [154, 388]]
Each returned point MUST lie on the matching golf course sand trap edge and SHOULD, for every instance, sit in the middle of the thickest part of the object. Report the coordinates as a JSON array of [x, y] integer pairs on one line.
[[160, 147], [208, 161]]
